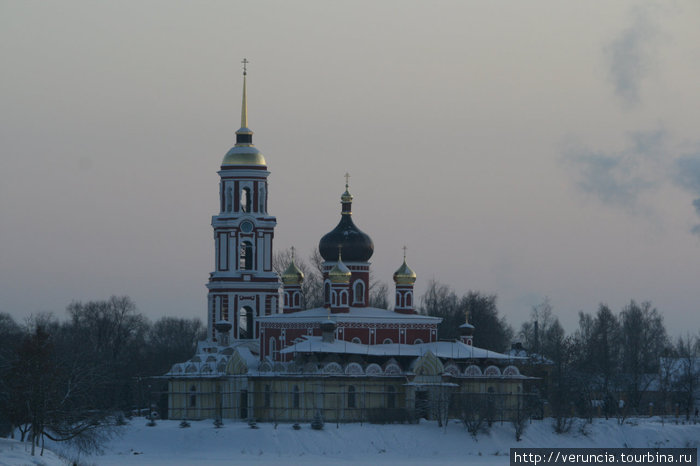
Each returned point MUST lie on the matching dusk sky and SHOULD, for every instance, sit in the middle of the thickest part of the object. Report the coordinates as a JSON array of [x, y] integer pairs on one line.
[[527, 149]]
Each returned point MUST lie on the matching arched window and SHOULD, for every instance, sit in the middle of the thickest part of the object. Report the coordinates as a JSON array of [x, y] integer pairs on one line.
[[245, 200], [409, 299], [351, 396], [297, 299], [398, 299], [344, 298], [273, 348], [417, 341], [193, 396], [327, 293], [357, 340], [334, 298], [359, 292], [390, 397], [295, 397], [286, 299], [388, 341], [246, 256], [245, 323]]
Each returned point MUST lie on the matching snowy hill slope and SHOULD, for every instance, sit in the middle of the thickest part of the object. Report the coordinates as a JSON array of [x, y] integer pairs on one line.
[[236, 443]]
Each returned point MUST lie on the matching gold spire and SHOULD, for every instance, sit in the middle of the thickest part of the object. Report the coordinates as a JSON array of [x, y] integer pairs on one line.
[[244, 106], [404, 275], [244, 152]]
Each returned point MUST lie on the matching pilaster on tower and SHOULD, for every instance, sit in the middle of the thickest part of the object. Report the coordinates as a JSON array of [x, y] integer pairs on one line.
[[243, 285]]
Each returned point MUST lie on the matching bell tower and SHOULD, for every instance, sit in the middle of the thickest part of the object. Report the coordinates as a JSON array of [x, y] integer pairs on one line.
[[243, 285]]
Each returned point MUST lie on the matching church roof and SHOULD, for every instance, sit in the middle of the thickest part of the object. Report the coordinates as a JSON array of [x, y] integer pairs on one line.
[[441, 349], [370, 315]]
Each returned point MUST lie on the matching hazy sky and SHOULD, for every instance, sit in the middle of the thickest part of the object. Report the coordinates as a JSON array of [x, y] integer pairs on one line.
[[528, 149]]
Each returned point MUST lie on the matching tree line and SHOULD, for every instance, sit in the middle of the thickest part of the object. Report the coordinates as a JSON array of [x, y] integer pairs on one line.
[[65, 380], [612, 364]]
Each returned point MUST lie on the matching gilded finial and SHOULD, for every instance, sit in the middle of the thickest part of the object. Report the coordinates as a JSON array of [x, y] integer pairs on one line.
[[347, 177], [404, 252], [245, 66], [293, 251]]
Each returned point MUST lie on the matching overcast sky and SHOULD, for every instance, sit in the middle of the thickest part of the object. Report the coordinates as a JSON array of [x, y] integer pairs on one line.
[[528, 149]]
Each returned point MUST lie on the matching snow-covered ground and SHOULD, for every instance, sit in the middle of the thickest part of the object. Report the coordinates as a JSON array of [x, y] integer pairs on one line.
[[236, 443]]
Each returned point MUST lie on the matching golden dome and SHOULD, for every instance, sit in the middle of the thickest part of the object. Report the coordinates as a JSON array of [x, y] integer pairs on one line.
[[404, 275], [293, 275], [340, 273], [244, 154]]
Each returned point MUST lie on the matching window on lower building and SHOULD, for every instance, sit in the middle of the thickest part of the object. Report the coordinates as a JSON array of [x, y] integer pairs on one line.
[[351, 396], [193, 397], [390, 397], [295, 397], [388, 341]]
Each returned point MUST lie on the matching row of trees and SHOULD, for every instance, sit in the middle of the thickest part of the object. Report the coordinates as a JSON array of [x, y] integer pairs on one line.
[[64, 380]]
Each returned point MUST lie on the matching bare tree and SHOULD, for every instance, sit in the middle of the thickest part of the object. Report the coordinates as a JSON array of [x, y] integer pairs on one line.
[[57, 390]]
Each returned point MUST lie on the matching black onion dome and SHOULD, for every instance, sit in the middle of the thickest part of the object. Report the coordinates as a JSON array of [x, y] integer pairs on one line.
[[356, 245]]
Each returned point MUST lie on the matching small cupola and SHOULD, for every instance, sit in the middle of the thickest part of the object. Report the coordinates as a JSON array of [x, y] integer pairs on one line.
[[292, 274], [466, 331], [340, 273], [404, 278], [292, 279], [339, 277]]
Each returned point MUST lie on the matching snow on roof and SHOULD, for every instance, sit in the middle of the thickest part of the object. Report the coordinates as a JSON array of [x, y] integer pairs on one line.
[[441, 349], [356, 314]]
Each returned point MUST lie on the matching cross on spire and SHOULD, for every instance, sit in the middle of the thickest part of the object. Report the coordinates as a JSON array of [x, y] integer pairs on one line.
[[293, 250], [404, 251], [347, 178], [245, 66]]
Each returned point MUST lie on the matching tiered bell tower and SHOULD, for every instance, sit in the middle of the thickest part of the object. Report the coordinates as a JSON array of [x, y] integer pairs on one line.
[[243, 285]]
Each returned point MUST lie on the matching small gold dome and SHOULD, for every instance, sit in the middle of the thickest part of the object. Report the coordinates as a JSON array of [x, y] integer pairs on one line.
[[292, 275], [404, 275], [340, 273]]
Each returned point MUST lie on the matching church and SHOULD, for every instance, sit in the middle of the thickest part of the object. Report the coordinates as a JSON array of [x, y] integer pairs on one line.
[[266, 358]]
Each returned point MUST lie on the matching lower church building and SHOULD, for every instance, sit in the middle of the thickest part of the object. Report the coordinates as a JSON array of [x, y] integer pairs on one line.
[[267, 359]]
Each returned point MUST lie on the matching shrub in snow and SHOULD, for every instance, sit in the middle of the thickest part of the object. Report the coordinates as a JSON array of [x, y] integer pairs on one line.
[[296, 427], [317, 423], [218, 423], [184, 424], [151, 422]]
